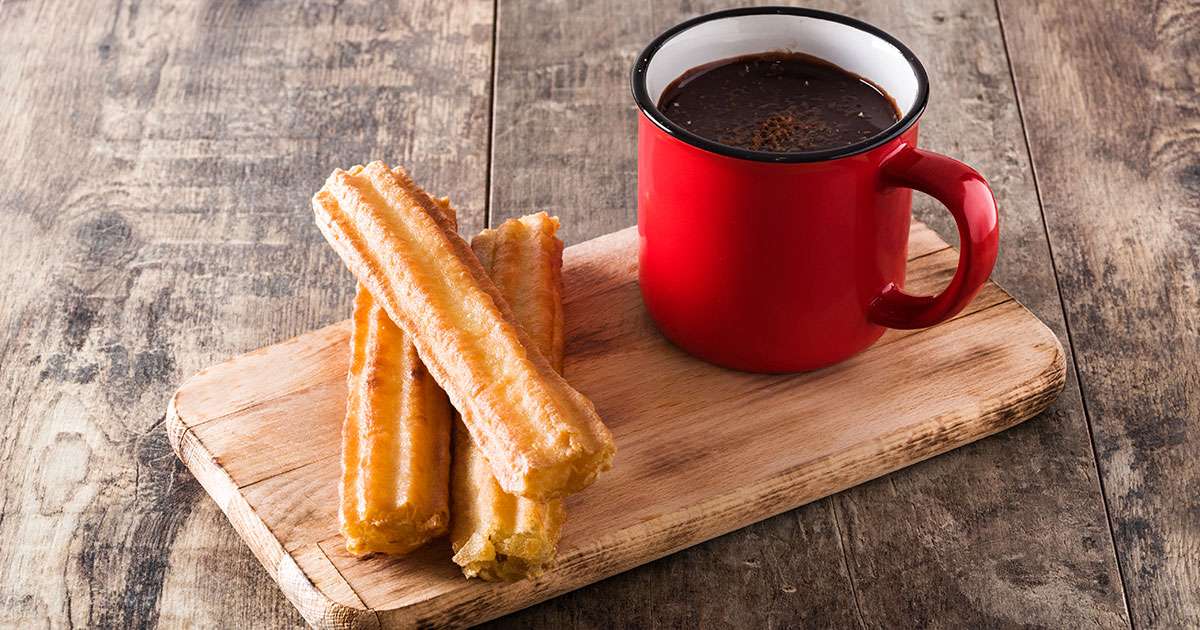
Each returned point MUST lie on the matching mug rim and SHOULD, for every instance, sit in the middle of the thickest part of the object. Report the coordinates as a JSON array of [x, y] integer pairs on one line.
[[641, 95]]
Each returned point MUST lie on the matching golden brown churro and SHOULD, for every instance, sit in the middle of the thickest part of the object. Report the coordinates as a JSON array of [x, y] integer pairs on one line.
[[496, 535], [541, 438], [395, 438]]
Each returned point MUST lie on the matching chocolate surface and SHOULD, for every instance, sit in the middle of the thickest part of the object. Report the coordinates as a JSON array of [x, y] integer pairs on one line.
[[778, 102]]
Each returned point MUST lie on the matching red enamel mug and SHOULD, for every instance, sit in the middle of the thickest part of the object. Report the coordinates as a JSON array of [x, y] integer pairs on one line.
[[783, 262]]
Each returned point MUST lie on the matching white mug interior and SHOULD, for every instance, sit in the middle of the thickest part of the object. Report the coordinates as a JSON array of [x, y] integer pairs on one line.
[[848, 47]]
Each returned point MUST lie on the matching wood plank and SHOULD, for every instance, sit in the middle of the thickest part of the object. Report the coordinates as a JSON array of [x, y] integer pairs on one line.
[[968, 540], [763, 443], [1109, 97], [156, 168]]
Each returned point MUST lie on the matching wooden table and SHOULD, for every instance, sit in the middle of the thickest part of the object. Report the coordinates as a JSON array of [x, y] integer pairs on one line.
[[156, 161]]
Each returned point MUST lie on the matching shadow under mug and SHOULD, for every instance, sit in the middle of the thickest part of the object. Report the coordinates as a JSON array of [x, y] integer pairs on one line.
[[783, 262]]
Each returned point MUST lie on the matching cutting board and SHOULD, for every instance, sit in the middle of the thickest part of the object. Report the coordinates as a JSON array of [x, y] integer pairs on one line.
[[701, 450]]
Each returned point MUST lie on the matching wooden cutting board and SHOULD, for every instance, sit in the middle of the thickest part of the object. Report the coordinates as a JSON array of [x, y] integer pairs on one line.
[[701, 450]]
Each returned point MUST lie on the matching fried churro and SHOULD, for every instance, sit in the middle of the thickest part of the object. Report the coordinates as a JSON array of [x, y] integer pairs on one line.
[[496, 535], [395, 441], [541, 438], [395, 438]]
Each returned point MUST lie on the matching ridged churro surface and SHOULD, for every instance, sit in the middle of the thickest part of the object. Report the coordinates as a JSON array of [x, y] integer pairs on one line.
[[541, 438], [496, 535], [395, 441], [395, 438]]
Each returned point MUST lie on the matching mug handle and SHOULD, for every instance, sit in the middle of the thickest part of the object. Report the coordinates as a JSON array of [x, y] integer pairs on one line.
[[966, 195]]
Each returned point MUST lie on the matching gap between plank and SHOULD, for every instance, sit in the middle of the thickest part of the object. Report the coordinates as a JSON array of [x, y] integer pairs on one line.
[[329, 561], [837, 526], [927, 254], [1087, 416], [319, 460], [491, 114], [260, 403]]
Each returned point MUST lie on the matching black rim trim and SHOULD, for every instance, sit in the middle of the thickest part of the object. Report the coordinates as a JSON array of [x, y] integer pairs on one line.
[[642, 96]]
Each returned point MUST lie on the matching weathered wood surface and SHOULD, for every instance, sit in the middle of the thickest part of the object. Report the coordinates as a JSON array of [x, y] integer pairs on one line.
[[180, 236], [1111, 100], [156, 162], [262, 432]]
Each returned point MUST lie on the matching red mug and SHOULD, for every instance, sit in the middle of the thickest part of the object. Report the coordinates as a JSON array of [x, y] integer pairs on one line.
[[784, 262]]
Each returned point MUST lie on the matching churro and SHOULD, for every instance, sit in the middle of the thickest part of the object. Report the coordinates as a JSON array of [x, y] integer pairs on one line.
[[496, 535], [541, 438], [395, 439]]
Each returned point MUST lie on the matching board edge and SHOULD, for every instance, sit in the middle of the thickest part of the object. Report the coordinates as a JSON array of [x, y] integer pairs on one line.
[[317, 608]]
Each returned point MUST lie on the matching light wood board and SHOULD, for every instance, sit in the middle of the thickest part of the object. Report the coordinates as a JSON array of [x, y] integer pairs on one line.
[[701, 450]]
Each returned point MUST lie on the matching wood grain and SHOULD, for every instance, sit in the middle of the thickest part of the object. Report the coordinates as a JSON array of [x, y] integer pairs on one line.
[[1109, 97], [953, 530], [155, 174], [268, 451]]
